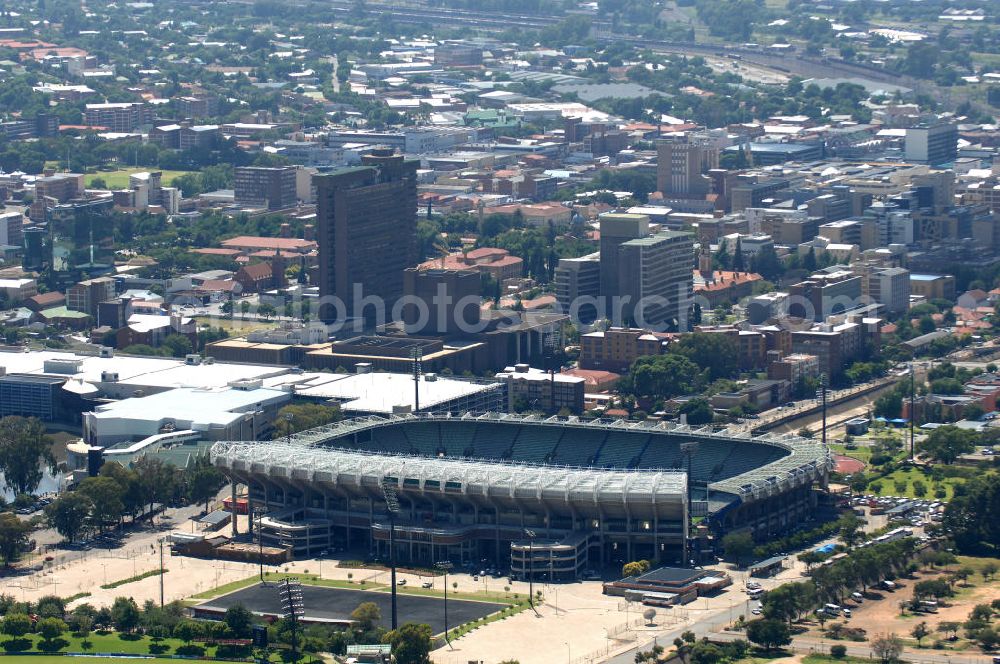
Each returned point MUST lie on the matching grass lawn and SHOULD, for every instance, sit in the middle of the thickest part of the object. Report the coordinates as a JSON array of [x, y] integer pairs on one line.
[[42, 659], [977, 563], [119, 179], [827, 659], [114, 644], [104, 643], [310, 579], [909, 475], [861, 452]]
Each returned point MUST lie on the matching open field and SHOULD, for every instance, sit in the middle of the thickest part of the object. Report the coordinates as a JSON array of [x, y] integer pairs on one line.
[[119, 179], [880, 611], [910, 475], [104, 643], [862, 453], [42, 659]]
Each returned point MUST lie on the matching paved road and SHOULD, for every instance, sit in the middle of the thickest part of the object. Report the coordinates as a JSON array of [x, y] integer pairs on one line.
[[809, 644]]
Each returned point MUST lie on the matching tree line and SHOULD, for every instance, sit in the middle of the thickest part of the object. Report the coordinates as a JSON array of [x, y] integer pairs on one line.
[[117, 493]]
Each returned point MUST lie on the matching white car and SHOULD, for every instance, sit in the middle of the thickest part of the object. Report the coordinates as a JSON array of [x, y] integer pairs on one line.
[[756, 612]]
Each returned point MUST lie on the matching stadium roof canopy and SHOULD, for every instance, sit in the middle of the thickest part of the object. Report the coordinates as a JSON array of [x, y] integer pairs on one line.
[[313, 455]]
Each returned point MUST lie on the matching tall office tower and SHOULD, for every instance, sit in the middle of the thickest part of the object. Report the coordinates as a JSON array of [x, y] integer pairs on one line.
[[367, 231], [655, 273], [577, 285], [258, 186], [615, 230], [932, 143], [81, 239], [441, 301], [681, 168]]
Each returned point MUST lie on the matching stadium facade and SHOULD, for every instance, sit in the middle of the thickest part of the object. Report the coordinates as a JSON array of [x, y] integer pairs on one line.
[[542, 495]]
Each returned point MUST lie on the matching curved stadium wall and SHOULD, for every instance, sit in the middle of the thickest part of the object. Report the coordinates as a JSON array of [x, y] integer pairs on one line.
[[492, 487]]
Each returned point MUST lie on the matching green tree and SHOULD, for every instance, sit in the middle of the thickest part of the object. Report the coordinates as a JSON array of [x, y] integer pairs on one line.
[[411, 643], [50, 629], [366, 615], [635, 568], [738, 547], [13, 537], [887, 647], [266, 311], [698, 411], [51, 606], [718, 353], [664, 376], [919, 632], [68, 513], [769, 634], [177, 345], [947, 443], [239, 620], [205, 483], [850, 529], [125, 615], [187, 631], [16, 624], [299, 417], [106, 495], [24, 449]]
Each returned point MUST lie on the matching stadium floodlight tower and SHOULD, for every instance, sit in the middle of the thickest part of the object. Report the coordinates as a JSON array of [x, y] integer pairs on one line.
[[445, 566], [531, 568], [293, 608], [688, 449], [417, 357], [392, 506], [821, 395]]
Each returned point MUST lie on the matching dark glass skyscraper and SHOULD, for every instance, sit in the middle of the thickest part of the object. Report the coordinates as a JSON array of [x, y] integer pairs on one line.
[[367, 232], [81, 239]]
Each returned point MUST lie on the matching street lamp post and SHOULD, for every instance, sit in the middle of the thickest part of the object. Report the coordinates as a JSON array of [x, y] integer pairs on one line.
[[444, 566]]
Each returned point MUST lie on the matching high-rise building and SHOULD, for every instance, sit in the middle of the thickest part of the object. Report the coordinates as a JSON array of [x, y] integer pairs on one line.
[[577, 285], [681, 168], [932, 143], [86, 296], [457, 54], [53, 189], [654, 273], [11, 229], [366, 218], [441, 301], [81, 239], [617, 229], [825, 294], [119, 117], [270, 187], [889, 287]]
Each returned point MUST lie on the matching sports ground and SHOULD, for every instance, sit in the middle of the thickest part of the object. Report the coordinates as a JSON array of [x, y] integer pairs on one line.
[[336, 604]]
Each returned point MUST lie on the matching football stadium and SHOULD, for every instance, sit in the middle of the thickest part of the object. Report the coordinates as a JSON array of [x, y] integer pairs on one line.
[[555, 495]]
